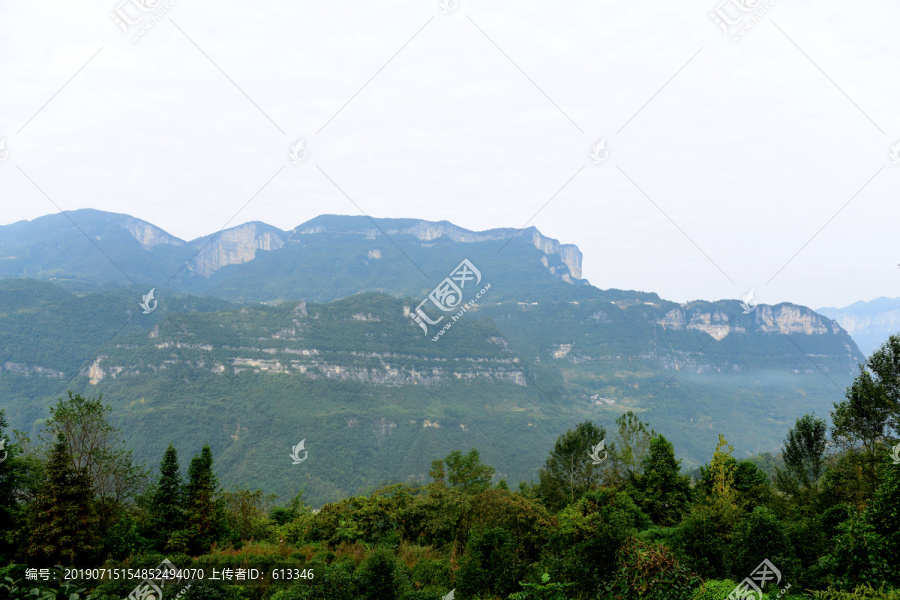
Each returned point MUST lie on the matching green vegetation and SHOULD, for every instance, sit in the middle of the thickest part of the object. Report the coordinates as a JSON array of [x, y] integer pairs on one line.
[[630, 526], [377, 401]]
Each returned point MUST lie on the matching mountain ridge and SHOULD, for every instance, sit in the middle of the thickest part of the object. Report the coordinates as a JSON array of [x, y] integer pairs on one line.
[[25, 246], [376, 399], [870, 323]]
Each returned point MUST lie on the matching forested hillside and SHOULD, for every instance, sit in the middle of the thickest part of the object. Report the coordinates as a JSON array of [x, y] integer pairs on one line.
[[609, 516], [374, 398]]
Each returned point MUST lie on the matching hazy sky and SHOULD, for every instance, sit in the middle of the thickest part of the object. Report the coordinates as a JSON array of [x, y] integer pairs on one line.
[[725, 157]]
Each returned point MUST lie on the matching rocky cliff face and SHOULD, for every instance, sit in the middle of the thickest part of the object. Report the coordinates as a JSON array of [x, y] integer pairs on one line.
[[784, 318], [234, 246], [148, 235]]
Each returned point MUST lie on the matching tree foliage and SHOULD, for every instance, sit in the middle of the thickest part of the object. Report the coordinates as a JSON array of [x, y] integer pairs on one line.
[[204, 506], [61, 520], [569, 471], [804, 456], [661, 491]]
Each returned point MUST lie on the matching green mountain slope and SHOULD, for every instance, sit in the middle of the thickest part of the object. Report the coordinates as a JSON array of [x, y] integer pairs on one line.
[[375, 399]]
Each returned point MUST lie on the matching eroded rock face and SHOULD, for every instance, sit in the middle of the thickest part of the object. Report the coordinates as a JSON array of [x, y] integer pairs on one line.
[[784, 318], [233, 247], [568, 253], [95, 373], [149, 235], [792, 319]]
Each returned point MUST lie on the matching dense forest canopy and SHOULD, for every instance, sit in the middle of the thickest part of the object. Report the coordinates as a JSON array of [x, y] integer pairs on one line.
[[611, 516]]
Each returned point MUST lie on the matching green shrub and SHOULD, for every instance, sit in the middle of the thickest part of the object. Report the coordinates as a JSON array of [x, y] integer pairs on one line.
[[381, 576], [32, 590], [490, 565], [429, 594], [700, 543], [863, 592], [330, 583], [545, 590], [432, 573], [651, 572], [857, 558], [760, 536], [714, 589], [591, 531]]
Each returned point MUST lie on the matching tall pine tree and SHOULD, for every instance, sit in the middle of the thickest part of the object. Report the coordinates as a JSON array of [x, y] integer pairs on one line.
[[662, 491], [204, 510], [61, 522], [167, 501]]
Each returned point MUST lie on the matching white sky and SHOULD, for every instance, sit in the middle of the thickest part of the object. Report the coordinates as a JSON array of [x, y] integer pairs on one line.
[[750, 149]]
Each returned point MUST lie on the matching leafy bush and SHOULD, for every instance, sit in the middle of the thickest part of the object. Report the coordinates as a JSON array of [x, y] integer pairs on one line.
[[381, 576], [863, 592], [884, 515], [330, 583], [30, 590], [651, 572], [714, 589], [757, 537], [431, 594], [432, 573], [591, 531], [490, 565], [700, 544], [857, 558], [545, 590]]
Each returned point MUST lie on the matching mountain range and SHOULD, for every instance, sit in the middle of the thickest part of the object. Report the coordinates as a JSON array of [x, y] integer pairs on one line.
[[869, 323], [327, 258], [336, 333]]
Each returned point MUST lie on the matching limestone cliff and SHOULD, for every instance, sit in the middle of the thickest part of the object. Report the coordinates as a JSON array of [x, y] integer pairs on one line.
[[148, 235], [234, 246], [783, 318]]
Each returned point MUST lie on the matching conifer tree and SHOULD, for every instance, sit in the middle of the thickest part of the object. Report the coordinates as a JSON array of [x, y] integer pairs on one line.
[[61, 523], [204, 509], [8, 484], [724, 498], [884, 515], [662, 491], [167, 500]]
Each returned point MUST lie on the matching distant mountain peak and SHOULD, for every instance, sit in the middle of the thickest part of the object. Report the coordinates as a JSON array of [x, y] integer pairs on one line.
[[328, 257], [431, 230]]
